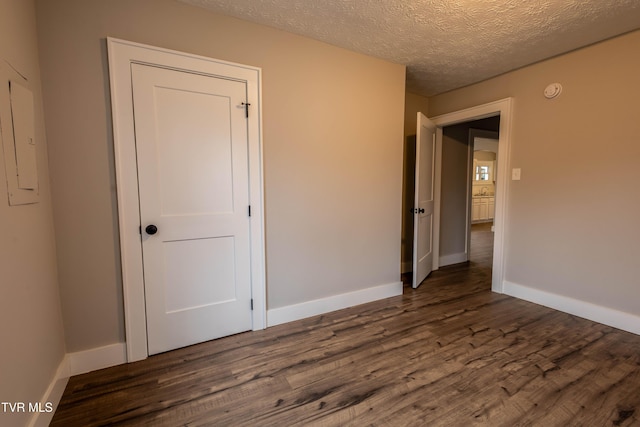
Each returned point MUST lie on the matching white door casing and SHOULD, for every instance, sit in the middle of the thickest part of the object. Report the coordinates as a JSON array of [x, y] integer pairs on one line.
[[503, 108], [191, 142], [423, 228], [123, 57]]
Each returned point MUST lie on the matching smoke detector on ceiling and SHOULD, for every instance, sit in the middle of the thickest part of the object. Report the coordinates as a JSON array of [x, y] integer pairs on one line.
[[553, 90]]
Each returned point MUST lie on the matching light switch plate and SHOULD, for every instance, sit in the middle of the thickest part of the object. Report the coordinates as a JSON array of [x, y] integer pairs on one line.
[[515, 174]]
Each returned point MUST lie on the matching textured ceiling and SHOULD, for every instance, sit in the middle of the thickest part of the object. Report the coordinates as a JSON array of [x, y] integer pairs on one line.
[[445, 44]]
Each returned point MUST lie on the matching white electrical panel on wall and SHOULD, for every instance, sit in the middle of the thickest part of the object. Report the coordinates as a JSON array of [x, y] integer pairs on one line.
[[17, 132], [23, 136]]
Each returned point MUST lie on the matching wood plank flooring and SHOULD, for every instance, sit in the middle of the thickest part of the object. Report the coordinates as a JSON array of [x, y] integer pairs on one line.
[[449, 353]]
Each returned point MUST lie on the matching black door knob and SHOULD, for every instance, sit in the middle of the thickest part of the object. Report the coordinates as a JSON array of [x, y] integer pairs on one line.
[[151, 229]]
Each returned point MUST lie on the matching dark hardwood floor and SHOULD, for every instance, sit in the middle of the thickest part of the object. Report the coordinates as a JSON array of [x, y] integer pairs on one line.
[[449, 353]]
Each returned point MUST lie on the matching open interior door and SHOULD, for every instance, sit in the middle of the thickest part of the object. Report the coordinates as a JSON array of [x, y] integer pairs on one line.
[[423, 207]]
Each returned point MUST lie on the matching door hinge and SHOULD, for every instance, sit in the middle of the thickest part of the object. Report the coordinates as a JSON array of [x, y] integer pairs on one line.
[[246, 108], [249, 210], [251, 303]]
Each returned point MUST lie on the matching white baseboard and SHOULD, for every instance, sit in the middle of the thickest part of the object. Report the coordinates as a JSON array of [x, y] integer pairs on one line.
[[597, 313], [97, 358], [52, 395], [290, 313], [453, 259], [74, 364]]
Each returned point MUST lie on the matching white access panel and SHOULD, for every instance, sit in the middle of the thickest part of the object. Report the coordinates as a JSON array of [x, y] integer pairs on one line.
[[17, 134], [24, 136]]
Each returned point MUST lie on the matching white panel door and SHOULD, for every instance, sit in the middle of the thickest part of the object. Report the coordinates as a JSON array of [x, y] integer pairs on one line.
[[191, 143], [424, 204]]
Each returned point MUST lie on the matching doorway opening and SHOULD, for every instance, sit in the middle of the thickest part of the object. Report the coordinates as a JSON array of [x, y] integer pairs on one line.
[[483, 150], [453, 186]]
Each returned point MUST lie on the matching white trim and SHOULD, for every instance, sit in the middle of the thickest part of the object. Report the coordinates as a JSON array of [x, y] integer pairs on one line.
[[503, 108], [453, 259], [121, 55], [277, 316], [75, 364], [597, 313], [85, 361], [52, 395]]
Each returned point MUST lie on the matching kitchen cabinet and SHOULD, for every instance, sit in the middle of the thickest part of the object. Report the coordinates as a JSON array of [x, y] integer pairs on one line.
[[482, 208]]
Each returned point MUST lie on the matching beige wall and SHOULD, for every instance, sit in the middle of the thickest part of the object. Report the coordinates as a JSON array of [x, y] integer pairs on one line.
[[31, 333], [332, 154], [579, 237], [412, 105], [484, 155], [453, 184]]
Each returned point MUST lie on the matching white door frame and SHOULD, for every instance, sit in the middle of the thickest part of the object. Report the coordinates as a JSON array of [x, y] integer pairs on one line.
[[121, 55], [503, 108]]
